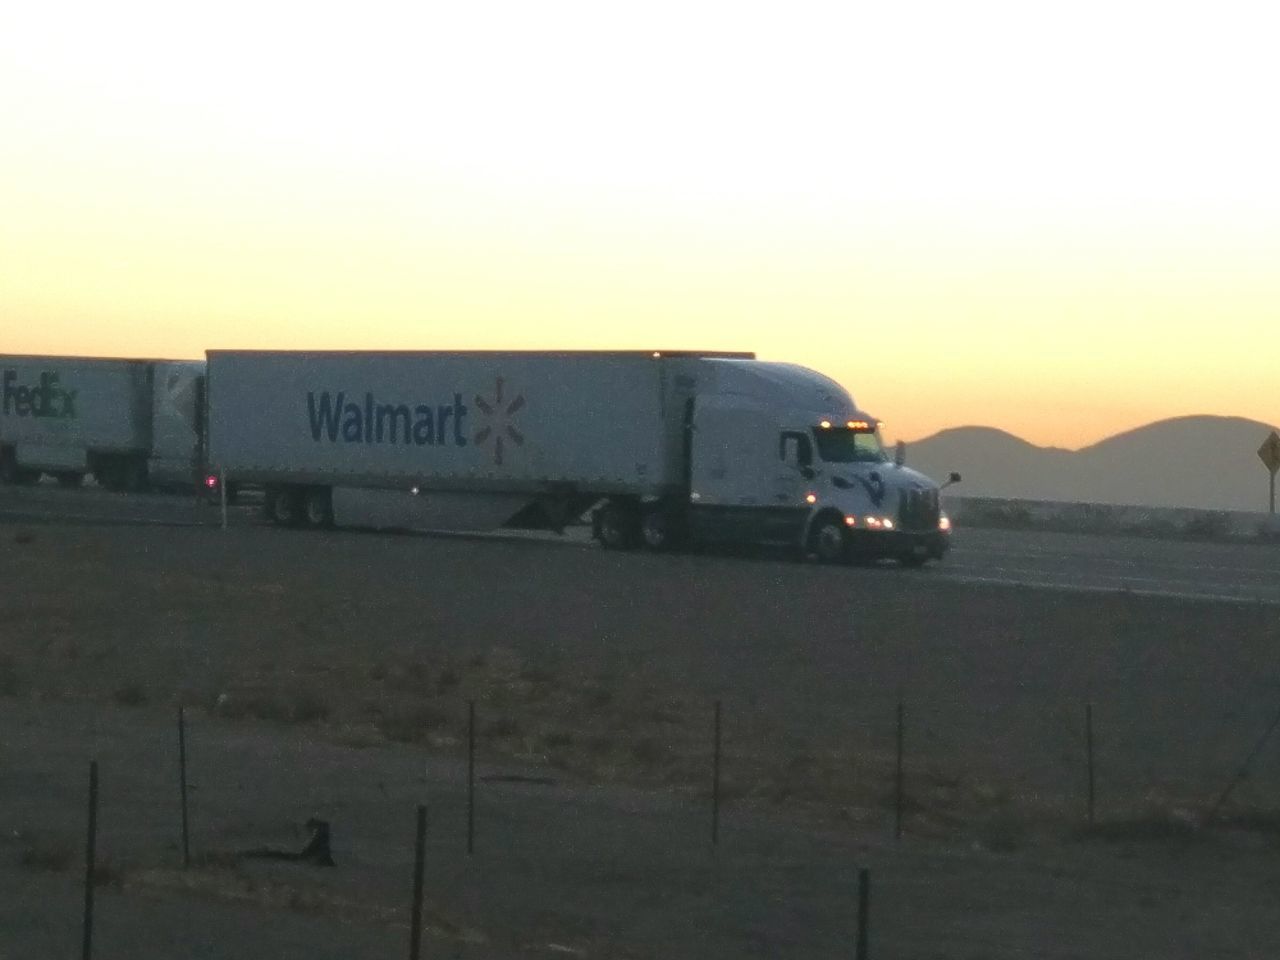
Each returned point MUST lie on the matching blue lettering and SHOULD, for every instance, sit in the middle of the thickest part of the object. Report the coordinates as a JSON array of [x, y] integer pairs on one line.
[[324, 416], [332, 417], [393, 414], [353, 425], [423, 429], [459, 411]]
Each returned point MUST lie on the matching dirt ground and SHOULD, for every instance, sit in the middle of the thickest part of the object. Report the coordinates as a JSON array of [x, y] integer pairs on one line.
[[328, 674]]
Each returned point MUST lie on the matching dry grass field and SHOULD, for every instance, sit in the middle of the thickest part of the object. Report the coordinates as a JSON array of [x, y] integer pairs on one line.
[[329, 671]]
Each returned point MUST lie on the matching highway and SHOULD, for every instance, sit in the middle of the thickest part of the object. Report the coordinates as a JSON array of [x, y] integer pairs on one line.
[[1194, 570], [1235, 572]]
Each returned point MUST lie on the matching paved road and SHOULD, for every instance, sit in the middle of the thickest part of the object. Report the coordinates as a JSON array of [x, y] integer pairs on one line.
[[1079, 562], [1217, 571]]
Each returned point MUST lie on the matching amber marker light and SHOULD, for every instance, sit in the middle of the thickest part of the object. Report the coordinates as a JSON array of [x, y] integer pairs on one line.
[[810, 498], [850, 521]]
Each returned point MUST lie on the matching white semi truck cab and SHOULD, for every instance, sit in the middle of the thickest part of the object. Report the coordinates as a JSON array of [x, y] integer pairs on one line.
[[780, 453]]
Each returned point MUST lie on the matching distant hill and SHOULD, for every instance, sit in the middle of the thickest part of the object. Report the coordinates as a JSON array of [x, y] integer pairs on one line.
[[1200, 461]]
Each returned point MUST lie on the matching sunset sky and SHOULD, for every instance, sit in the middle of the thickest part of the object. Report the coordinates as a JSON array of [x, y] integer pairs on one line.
[[1061, 220]]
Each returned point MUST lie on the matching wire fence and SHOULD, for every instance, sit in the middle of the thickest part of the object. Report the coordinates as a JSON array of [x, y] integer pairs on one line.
[[908, 788]]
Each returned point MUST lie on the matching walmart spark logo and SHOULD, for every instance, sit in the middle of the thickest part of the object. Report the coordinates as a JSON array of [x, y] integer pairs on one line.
[[497, 421]]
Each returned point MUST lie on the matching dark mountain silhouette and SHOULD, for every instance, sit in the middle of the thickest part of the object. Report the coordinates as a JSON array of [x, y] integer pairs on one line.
[[1199, 461]]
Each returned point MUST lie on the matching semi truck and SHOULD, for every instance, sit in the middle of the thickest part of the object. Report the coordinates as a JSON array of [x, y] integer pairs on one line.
[[657, 448], [130, 424]]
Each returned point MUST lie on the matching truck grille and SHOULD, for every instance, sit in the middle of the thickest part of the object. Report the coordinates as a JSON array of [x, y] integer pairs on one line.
[[918, 510]]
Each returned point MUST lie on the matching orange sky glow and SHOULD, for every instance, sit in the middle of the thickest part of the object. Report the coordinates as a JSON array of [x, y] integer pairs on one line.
[[1063, 224]]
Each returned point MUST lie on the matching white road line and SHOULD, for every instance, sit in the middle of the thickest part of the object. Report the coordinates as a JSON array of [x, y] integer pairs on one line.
[[1192, 581], [1120, 561], [1084, 588]]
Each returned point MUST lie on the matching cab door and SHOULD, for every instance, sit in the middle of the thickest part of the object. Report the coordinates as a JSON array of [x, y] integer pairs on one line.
[[794, 467]]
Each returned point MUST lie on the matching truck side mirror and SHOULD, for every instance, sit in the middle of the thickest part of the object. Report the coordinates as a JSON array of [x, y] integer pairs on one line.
[[954, 478], [899, 453]]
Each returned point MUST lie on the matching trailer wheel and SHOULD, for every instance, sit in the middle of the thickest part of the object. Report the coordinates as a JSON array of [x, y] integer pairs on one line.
[[318, 507], [283, 506], [828, 540], [616, 527]]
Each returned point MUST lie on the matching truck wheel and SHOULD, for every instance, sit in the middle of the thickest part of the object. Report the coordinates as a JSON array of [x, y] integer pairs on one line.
[[318, 508], [828, 541], [658, 528], [616, 528], [283, 506]]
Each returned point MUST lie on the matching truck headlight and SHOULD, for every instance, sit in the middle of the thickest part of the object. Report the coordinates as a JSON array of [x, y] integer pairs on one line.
[[944, 523]]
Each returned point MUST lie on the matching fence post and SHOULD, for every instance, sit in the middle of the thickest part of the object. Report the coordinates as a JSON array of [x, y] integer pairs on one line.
[[1088, 749], [419, 861], [864, 918], [715, 779], [898, 778], [86, 951], [471, 776], [182, 774]]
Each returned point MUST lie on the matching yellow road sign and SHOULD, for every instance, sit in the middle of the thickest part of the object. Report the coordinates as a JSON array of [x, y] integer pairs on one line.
[[1269, 452]]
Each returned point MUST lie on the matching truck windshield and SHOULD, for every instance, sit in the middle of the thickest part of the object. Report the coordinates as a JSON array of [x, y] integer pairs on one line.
[[842, 445]]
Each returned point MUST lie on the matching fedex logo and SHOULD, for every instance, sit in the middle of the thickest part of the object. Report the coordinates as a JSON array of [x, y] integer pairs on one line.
[[45, 399]]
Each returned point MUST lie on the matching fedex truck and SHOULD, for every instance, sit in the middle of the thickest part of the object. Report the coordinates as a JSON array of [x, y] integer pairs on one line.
[[127, 423], [658, 449]]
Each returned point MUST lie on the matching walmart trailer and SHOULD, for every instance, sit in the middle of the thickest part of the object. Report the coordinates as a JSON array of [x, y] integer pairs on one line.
[[658, 447]]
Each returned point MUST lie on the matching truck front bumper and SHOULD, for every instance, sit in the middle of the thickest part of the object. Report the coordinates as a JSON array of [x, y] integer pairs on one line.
[[922, 544]]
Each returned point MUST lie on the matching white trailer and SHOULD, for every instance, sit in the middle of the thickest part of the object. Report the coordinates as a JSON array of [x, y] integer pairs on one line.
[[128, 423], [661, 447]]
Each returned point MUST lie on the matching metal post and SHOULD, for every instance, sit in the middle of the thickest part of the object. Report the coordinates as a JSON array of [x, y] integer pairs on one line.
[[898, 779], [419, 861], [86, 951], [182, 773], [222, 495], [864, 909], [715, 781], [471, 776], [1273, 495], [1088, 746]]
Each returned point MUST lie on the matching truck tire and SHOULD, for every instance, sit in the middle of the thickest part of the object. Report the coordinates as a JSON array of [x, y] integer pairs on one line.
[[283, 506], [828, 540], [658, 527], [317, 507], [616, 527]]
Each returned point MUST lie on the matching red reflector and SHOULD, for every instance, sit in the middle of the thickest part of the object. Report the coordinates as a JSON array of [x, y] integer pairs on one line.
[[210, 481]]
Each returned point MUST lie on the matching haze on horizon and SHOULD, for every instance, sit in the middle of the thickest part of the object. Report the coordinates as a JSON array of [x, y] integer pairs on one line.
[[1062, 223]]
